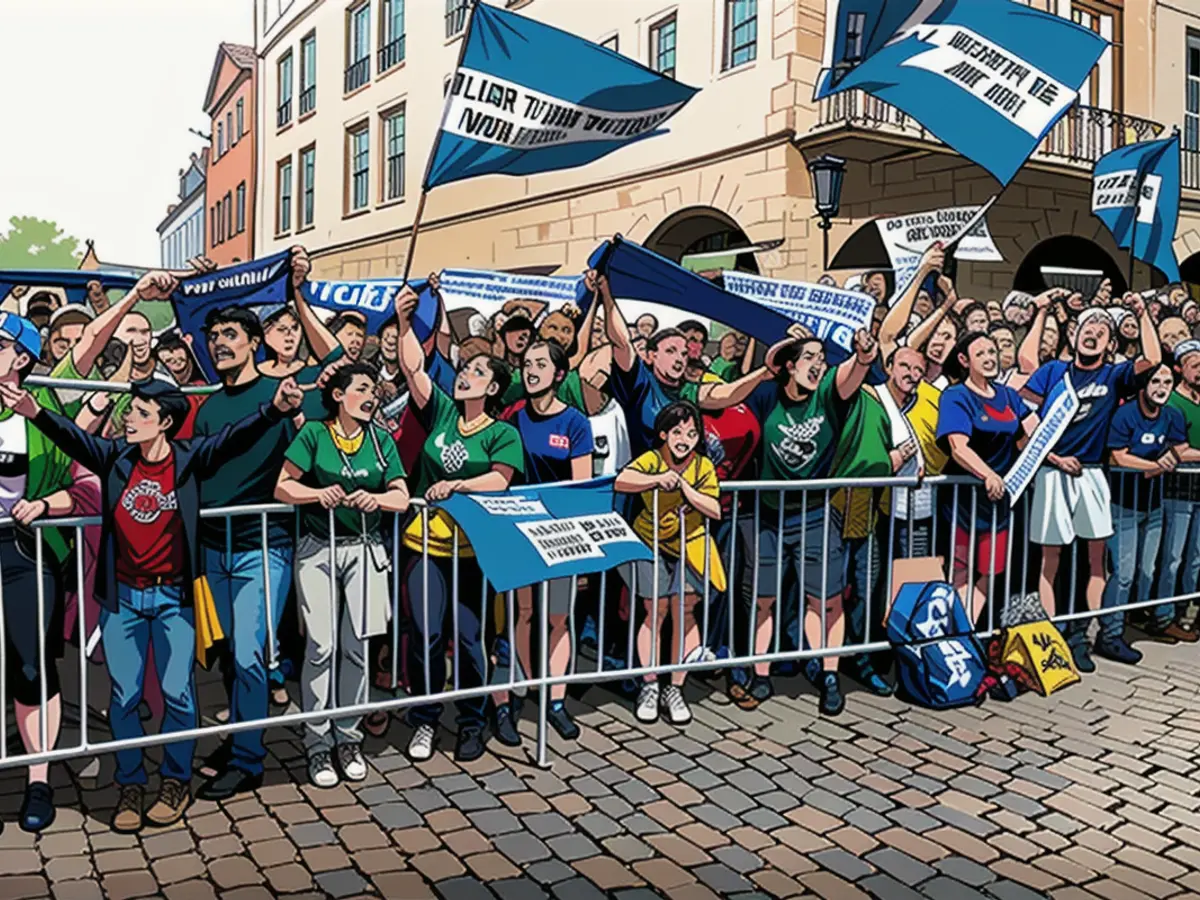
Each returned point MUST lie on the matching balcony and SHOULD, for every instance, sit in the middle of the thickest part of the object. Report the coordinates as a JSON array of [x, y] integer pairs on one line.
[[284, 113], [1190, 169], [391, 54], [357, 74], [1077, 140], [308, 99]]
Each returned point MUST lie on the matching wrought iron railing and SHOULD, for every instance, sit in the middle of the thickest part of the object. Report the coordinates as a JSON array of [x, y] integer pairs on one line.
[[357, 74], [391, 54], [308, 99], [284, 113]]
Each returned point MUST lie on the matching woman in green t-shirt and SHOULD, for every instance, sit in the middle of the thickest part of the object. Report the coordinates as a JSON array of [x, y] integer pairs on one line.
[[344, 470], [467, 451]]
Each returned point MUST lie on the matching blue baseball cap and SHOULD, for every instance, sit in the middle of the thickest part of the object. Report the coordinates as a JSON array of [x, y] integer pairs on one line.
[[21, 332]]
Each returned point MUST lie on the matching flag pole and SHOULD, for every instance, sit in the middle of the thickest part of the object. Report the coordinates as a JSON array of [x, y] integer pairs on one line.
[[416, 226], [1137, 203]]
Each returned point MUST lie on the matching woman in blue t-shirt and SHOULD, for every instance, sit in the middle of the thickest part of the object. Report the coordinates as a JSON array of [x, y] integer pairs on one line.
[[980, 425], [558, 447]]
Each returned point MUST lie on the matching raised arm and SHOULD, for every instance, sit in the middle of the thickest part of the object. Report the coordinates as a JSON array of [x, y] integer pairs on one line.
[[95, 454], [410, 353], [624, 356], [853, 372], [583, 333], [924, 331], [320, 339], [1151, 348], [895, 323], [722, 395]]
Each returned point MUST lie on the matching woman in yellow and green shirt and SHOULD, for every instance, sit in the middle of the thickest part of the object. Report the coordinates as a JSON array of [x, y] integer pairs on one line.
[[686, 482]]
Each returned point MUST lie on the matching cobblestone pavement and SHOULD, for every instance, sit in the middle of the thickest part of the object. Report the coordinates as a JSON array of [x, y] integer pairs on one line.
[[1091, 793]]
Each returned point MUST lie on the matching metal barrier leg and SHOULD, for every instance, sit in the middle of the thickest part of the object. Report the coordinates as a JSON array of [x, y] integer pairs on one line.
[[544, 682]]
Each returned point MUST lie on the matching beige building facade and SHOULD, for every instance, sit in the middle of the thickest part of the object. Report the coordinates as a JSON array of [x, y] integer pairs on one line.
[[342, 174]]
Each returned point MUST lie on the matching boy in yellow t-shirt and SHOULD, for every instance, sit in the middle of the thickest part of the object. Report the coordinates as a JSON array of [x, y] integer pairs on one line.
[[686, 485]]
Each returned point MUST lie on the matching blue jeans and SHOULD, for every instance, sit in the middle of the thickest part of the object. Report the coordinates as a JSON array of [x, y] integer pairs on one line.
[[865, 569], [1133, 550], [143, 618], [1181, 545], [236, 581]]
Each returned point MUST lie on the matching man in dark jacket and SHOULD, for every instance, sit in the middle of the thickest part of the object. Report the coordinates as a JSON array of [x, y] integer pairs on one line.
[[149, 558]]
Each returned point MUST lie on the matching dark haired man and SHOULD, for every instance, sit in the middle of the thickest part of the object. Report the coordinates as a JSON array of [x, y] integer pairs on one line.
[[515, 334], [350, 329], [149, 558]]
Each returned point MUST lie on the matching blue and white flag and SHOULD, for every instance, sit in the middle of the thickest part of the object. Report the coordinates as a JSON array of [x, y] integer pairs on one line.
[[482, 290], [987, 77], [1135, 193], [830, 313], [533, 534], [1059, 414], [73, 282], [530, 98]]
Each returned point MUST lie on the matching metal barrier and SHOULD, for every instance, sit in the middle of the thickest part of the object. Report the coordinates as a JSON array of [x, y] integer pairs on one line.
[[902, 515]]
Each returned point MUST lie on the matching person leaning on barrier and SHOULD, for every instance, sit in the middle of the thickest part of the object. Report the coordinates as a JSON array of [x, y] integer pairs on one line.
[[467, 450], [1149, 437], [349, 466], [149, 560], [34, 480]]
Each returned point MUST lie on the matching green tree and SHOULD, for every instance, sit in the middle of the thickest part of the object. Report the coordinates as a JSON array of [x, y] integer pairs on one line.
[[32, 243]]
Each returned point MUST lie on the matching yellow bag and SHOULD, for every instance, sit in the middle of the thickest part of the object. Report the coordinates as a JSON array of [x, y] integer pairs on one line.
[[1039, 649], [208, 626]]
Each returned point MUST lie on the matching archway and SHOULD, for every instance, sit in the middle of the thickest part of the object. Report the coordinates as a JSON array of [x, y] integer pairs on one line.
[[1189, 273], [1067, 251], [700, 229]]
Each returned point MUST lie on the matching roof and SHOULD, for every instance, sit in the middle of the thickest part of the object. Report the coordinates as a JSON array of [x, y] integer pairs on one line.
[[240, 55]]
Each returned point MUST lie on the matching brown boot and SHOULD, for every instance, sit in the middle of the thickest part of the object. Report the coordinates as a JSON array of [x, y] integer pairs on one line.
[[1181, 634], [127, 818], [173, 800]]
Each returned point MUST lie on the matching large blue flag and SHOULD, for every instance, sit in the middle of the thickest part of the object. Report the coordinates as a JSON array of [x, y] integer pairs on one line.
[[530, 98], [987, 77], [1135, 193], [74, 282], [533, 534]]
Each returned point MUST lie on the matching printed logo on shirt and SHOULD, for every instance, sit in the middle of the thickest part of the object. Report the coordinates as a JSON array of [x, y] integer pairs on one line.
[[1152, 439], [146, 502], [1090, 393], [560, 442], [716, 449], [453, 456], [999, 415], [797, 448]]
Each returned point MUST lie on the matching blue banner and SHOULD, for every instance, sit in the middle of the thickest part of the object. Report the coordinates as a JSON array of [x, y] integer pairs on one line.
[[530, 98], [74, 282], [1135, 193], [830, 313], [635, 273], [534, 534], [987, 77]]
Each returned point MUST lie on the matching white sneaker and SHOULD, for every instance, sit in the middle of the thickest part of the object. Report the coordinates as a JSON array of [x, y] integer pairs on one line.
[[321, 771], [647, 703], [677, 709], [420, 748], [351, 762]]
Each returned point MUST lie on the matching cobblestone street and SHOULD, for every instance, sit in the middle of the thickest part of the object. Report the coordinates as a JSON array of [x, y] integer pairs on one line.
[[1089, 794]]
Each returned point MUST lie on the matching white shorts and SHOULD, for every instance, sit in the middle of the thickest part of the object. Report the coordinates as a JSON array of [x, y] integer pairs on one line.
[[1066, 507]]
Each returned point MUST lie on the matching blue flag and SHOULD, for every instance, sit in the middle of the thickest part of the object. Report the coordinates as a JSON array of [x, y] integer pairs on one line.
[[987, 77], [533, 534], [74, 282], [1135, 193], [530, 98]]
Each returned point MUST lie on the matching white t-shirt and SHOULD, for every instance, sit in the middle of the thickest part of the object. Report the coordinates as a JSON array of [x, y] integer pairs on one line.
[[610, 434]]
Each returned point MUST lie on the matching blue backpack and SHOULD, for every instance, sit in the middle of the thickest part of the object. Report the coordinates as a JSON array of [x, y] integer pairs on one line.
[[939, 660]]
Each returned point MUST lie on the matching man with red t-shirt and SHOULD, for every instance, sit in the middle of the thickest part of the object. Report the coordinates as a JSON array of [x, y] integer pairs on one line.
[[149, 559]]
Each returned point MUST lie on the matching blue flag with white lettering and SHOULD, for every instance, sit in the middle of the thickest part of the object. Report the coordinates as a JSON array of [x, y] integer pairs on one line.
[[533, 534], [530, 98], [987, 77], [1135, 193]]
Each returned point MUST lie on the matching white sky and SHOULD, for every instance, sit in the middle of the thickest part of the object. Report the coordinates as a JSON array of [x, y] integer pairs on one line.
[[97, 99]]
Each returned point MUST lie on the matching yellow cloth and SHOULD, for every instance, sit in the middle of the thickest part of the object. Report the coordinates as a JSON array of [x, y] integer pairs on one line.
[[208, 626], [923, 417], [1039, 649], [441, 536], [349, 446], [700, 474]]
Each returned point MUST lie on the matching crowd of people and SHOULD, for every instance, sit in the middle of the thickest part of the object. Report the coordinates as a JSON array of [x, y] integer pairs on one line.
[[349, 426]]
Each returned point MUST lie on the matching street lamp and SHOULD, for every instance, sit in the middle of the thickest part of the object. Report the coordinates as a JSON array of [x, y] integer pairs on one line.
[[828, 173]]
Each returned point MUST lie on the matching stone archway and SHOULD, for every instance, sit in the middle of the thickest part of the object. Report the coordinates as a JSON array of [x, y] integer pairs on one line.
[[1070, 251], [700, 229]]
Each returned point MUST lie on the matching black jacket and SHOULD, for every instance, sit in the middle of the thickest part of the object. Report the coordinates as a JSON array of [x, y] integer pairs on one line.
[[113, 461]]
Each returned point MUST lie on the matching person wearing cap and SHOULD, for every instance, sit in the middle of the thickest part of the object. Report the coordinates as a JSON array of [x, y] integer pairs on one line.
[[66, 329], [1071, 496], [1179, 571], [34, 479]]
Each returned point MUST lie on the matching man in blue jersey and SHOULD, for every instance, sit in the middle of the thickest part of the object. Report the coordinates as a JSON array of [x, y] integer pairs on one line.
[[1071, 496]]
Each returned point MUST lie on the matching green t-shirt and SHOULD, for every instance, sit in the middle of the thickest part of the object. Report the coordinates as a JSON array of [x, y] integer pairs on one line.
[[371, 467], [515, 390], [1191, 416], [800, 437], [725, 369], [570, 391], [865, 441], [249, 477], [448, 454], [72, 401]]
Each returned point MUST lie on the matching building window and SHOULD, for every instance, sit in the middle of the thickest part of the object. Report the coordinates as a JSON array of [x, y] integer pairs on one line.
[[662, 47], [613, 43], [1191, 116], [741, 33], [241, 118], [358, 148], [391, 35], [220, 140], [229, 229], [456, 16], [393, 149], [1104, 86], [358, 47], [856, 26], [241, 207], [308, 182], [283, 212], [229, 129], [308, 74], [212, 225], [285, 90]]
